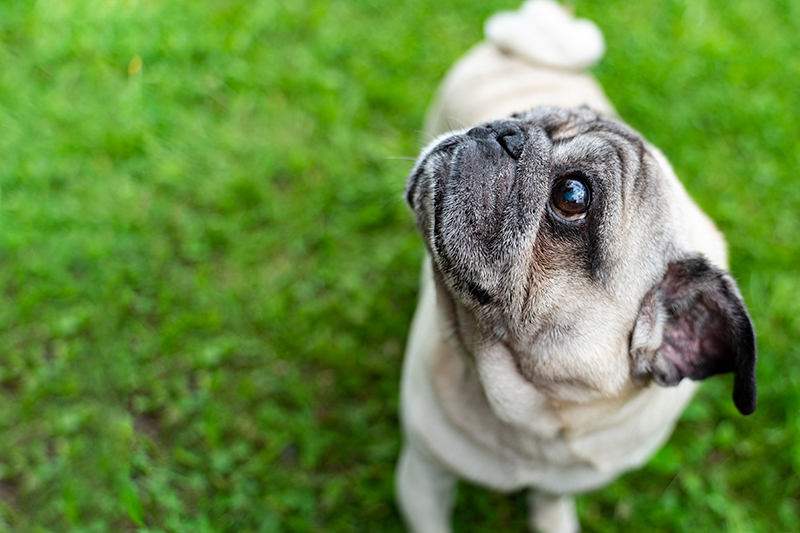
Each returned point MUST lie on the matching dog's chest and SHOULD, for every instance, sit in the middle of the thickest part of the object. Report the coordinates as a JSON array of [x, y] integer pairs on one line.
[[605, 436], [459, 390]]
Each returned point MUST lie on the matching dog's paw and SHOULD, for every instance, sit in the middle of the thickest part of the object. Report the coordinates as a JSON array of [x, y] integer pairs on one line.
[[552, 514]]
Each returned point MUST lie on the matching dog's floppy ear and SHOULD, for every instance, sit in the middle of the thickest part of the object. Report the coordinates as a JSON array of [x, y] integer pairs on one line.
[[694, 324]]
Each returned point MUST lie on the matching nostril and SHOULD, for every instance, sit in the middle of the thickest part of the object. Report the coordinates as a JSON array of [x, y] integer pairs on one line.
[[510, 137], [507, 134], [513, 144]]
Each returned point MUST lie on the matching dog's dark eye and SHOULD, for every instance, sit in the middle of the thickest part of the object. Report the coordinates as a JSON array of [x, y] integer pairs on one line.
[[571, 197]]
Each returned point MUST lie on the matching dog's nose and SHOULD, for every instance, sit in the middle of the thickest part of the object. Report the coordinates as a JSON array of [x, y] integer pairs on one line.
[[507, 134]]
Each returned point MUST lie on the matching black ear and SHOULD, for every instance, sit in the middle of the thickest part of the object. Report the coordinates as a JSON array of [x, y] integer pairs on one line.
[[694, 324]]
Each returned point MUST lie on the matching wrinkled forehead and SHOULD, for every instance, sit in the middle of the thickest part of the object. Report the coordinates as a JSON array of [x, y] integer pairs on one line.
[[577, 135], [570, 124], [583, 138]]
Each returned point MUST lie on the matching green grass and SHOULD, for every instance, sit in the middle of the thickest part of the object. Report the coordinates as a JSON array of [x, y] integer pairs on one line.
[[208, 272]]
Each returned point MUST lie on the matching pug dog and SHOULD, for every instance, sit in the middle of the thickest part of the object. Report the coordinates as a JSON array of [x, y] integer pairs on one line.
[[572, 292]]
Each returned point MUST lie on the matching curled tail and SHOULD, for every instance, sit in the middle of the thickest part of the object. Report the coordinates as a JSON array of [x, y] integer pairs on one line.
[[537, 55], [545, 33]]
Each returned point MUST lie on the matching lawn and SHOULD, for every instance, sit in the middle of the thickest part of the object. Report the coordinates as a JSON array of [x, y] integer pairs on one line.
[[207, 269]]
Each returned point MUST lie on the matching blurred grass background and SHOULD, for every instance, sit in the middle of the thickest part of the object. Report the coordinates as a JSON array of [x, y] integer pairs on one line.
[[207, 270]]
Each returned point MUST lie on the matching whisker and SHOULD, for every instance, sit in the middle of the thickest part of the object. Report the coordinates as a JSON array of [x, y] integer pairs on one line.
[[451, 120], [427, 134], [395, 198]]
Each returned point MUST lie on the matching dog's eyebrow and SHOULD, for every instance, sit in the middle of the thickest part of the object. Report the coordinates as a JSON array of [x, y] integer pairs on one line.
[[616, 128]]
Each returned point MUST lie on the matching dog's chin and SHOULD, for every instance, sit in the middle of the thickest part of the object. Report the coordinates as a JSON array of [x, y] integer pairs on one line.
[[580, 369]]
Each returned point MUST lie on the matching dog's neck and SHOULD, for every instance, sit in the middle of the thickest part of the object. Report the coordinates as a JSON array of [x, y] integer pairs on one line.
[[569, 369], [489, 400]]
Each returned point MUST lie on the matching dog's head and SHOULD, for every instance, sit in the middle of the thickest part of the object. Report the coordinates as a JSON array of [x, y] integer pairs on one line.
[[564, 237]]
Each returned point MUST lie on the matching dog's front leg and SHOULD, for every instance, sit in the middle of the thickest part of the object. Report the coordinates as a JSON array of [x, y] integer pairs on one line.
[[550, 513], [425, 492]]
